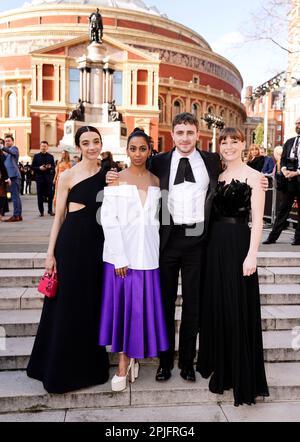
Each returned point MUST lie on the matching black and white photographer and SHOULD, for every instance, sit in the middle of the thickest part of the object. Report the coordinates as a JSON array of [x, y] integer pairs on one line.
[[290, 168]]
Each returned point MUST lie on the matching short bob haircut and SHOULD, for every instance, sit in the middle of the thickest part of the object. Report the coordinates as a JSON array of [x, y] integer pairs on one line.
[[233, 133]]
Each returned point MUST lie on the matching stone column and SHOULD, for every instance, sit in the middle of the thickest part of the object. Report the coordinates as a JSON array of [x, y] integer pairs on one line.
[[98, 90], [20, 100], [188, 103], [110, 84], [56, 83], [84, 95], [88, 85], [81, 84], [40, 83], [63, 84], [134, 88], [34, 89], [107, 94], [150, 88], [169, 108], [156, 88]]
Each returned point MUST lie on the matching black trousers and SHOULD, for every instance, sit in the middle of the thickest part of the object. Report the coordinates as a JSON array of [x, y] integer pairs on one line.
[[186, 254], [286, 204], [44, 189]]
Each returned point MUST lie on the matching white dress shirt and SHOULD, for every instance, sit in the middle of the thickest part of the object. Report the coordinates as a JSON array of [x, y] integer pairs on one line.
[[186, 201], [131, 230]]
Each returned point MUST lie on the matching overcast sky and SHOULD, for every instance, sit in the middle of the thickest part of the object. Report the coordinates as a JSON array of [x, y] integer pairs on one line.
[[221, 23]]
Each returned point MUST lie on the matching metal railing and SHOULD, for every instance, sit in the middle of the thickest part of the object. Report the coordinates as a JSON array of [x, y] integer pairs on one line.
[[273, 201]]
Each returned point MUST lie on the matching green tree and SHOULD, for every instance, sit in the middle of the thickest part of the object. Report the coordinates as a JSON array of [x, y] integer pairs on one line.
[[259, 134]]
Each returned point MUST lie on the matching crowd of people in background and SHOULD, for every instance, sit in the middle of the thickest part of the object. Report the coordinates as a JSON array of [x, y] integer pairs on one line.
[[44, 172]]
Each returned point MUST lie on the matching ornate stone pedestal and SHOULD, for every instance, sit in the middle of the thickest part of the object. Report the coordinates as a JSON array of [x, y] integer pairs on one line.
[[96, 92]]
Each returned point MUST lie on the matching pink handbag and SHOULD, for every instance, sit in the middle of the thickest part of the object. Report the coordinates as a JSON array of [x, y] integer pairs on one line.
[[48, 285]]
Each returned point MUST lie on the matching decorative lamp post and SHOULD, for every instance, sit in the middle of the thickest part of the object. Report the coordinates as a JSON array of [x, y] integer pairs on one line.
[[215, 123], [264, 90]]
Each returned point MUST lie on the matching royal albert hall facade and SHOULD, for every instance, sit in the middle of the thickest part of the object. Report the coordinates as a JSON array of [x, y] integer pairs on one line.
[[161, 68]]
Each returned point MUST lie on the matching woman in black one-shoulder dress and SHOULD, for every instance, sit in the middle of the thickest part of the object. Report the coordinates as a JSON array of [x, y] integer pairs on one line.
[[66, 355]]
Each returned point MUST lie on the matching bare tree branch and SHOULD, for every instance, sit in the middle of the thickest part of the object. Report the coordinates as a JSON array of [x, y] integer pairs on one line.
[[270, 23]]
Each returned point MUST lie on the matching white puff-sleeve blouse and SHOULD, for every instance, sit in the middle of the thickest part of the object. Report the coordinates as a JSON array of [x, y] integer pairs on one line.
[[131, 229]]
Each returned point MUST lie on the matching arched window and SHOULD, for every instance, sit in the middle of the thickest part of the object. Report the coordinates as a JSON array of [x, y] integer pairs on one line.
[[161, 107], [196, 110], [210, 110], [177, 108], [11, 105], [48, 132]]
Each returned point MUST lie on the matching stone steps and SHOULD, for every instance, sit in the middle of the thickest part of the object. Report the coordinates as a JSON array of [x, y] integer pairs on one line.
[[19, 393], [24, 298], [20, 310], [21, 323], [262, 412], [37, 260], [22, 260], [20, 298], [30, 277], [20, 277], [278, 347]]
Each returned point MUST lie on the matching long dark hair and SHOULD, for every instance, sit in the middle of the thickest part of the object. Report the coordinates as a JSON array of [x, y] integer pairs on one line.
[[83, 130]]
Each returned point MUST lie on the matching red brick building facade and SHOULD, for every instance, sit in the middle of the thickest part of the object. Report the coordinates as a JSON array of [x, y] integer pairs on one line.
[[162, 68]]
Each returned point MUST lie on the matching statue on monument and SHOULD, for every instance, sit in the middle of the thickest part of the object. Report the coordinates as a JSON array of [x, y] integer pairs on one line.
[[96, 27], [78, 113], [114, 115]]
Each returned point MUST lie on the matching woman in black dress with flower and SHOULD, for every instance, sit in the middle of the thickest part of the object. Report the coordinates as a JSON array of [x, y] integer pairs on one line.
[[231, 348], [66, 355]]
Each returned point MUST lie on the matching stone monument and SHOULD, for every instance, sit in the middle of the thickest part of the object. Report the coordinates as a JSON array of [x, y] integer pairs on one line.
[[96, 106]]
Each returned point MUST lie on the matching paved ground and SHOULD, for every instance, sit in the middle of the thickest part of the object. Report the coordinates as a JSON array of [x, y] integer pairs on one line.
[[32, 234]]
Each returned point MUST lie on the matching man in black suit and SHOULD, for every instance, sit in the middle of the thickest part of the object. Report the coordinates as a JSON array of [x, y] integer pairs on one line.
[[44, 167], [188, 178], [290, 167]]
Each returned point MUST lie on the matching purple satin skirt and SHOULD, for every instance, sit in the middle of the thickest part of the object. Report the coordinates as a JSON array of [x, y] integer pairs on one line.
[[132, 316]]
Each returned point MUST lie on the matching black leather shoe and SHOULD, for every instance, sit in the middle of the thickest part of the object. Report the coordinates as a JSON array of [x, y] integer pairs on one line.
[[269, 241], [295, 243], [188, 374], [41, 214], [51, 213], [163, 374]]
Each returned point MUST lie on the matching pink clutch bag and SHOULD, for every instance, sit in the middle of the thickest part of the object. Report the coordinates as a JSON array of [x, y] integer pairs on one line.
[[48, 285]]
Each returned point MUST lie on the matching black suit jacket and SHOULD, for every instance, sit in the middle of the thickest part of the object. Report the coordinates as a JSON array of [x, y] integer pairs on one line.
[[160, 165], [39, 160], [3, 171], [287, 149]]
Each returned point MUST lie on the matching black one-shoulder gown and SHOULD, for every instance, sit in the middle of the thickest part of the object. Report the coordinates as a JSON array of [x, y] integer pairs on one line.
[[66, 355]]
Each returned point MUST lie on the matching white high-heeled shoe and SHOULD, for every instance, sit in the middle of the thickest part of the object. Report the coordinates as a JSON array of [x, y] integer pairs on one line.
[[119, 383], [136, 369]]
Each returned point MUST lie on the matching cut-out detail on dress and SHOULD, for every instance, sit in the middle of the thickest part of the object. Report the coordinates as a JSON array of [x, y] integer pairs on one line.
[[75, 207]]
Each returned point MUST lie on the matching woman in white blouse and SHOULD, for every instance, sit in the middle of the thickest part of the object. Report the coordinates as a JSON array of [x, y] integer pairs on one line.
[[132, 318]]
